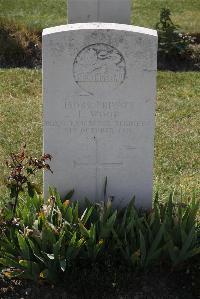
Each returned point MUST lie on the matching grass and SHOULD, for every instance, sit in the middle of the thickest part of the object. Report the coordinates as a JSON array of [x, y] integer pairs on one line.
[[177, 147], [39, 14], [185, 13], [20, 113]]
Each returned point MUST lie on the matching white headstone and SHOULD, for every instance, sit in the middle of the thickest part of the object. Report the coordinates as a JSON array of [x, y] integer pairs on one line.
[[99, 105], [110, 11]]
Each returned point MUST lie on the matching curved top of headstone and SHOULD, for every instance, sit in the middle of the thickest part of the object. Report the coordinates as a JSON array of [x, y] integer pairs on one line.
[[100, 26]]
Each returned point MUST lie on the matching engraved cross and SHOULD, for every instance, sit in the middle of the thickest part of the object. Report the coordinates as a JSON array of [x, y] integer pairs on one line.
[[97, 165]]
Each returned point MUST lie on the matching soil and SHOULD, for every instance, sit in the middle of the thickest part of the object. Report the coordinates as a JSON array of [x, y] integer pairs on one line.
[[178, 64], [155, 284], [29, 56]]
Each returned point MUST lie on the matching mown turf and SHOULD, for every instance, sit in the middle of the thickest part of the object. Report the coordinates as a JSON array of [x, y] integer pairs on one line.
[[177, 147], [20, 114], [185, 13], [45, 13], [35, 13]]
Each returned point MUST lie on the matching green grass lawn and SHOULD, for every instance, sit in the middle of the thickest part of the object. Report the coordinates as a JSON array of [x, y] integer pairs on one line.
[[45, 13], [177, 148], [185, 13], [35, 13]]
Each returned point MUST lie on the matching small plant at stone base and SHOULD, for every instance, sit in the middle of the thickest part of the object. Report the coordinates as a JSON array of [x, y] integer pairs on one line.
[[171, 42], [47, 248], [22, 169], [168, 233], [62, 236]]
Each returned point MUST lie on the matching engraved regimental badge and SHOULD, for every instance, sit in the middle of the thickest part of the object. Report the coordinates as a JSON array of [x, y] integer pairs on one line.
[[99, 69]]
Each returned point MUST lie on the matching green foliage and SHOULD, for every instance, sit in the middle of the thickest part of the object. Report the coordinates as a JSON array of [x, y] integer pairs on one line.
[[168, 232], [171, 41], [181, 233], [140, 237], [48, 240]]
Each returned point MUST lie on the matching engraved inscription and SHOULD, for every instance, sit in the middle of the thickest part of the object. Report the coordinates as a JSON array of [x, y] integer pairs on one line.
[[99, 68], [98, 127]]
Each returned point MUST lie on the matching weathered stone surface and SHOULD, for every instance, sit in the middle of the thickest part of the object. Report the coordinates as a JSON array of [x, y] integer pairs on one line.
[[110, 11], [99, 86]]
